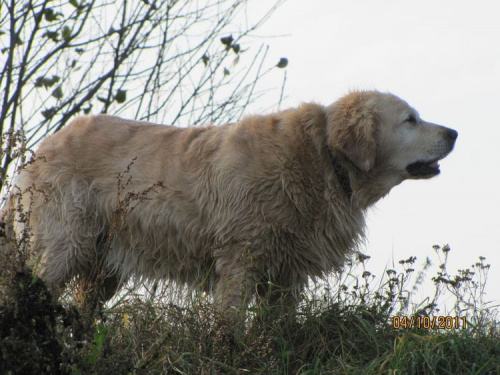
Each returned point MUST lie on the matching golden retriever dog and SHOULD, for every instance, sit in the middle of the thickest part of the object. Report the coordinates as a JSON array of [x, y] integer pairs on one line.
[[237, 210]]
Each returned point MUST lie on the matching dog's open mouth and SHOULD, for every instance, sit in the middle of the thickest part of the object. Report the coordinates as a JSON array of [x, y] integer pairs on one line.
[[424, 168]]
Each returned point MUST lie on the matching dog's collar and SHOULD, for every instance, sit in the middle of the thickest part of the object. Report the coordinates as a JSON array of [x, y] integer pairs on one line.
[[342, 176]]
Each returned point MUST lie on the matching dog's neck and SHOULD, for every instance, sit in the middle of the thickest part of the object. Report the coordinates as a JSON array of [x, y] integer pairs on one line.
[[342, 175], [369, 188], [362, 188]]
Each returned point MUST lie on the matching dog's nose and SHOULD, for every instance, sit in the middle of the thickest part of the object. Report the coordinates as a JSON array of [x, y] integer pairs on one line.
[[452, 134]]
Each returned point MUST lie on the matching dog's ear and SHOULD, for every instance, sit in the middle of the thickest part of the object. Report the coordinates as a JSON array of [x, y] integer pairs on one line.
[[351, 129]]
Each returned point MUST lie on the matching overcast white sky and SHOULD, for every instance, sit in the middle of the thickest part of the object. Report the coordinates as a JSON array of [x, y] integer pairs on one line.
[[443, 57]]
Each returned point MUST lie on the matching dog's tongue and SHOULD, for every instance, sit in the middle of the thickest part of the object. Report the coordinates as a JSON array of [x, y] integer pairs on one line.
[[434, 165]]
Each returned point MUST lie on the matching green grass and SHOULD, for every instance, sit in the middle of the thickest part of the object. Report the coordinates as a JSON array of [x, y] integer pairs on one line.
[[344, 327]]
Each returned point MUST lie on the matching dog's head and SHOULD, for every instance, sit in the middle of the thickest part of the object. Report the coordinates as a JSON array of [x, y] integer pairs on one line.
[[378, 131]]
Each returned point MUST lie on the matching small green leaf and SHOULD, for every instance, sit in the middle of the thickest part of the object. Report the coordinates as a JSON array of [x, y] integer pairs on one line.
[[54, 35], [66, 33], [46, 82], [48, 113], [121, 96], [74, 3], [205, 59], [79, 50], [226, 72], [282, 63], [227, 41], [39, 81], [236, 48], [87, 109], [57, 93], [34, 279], [102, 100], [18, 40], [50, 15]]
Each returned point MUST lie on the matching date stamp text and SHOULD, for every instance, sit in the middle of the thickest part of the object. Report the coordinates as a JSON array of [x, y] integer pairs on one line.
[[429, 322]]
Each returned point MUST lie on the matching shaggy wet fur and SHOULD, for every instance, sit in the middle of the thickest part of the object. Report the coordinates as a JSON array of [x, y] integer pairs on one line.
[[270, 200]]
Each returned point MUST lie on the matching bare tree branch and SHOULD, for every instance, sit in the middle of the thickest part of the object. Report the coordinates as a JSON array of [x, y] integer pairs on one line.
[[174, 62]]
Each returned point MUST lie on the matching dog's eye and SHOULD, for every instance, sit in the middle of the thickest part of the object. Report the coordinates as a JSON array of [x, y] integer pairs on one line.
[[411, 119]]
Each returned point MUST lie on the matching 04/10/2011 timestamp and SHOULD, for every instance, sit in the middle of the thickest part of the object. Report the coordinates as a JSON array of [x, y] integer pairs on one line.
[[429, 322]]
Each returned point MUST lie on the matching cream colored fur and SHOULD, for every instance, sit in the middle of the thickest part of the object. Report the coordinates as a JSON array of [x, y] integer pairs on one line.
[[224, 208]]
